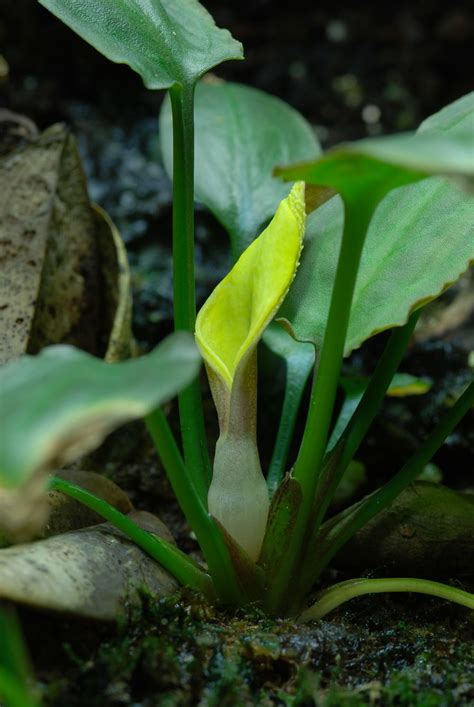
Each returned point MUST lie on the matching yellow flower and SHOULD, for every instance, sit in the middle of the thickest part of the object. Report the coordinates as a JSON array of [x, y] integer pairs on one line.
[[228, 329]]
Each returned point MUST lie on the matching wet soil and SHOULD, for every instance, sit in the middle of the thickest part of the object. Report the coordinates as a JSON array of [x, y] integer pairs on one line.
[[387, 651]]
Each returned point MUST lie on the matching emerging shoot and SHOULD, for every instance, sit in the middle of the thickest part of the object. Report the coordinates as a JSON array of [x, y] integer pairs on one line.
[[228, 329]]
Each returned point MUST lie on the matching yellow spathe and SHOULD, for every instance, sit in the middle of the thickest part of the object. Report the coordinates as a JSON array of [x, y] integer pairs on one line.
[[235, 315], [228, 328]]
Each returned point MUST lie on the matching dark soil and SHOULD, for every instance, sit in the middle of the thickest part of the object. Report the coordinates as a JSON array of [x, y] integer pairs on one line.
[[352, 70], [388, 651]]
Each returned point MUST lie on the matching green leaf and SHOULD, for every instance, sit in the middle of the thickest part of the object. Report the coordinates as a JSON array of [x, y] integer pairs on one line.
[[15, 669], [63, 402], [448, 118], [338, 594], [241, 135], [284, 510], [165, 41], [403, 384], [380, 164], [419, 242]]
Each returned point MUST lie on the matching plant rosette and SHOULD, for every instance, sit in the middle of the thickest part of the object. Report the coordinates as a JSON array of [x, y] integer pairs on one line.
[[390, 229]]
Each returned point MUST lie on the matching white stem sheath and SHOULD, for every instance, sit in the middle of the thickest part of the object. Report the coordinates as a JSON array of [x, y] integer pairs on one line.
[[239, 500], [238, 495]]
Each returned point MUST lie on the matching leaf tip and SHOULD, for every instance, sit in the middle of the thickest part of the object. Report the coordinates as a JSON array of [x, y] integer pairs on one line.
[[296, 203]]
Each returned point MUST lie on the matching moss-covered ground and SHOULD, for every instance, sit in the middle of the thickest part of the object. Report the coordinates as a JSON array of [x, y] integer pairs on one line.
[[178, 651]]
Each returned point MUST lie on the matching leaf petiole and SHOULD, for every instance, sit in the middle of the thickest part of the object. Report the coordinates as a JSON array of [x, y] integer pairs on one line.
[[363, 416], [358, 212], [170, 557], [338, 594], [352, 519], [207, 533], [193, 431]]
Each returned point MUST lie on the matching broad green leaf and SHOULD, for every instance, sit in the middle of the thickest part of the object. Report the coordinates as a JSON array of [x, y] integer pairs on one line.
[[394, 160], [63, 402], [241, 135], [453, 116], [396, 271], [165, 41], [420, 240]]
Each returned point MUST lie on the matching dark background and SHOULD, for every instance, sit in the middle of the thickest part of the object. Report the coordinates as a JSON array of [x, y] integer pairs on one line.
[[329, 60]]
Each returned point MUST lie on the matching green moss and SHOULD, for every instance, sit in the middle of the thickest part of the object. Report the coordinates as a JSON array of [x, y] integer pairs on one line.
[[179, 651]]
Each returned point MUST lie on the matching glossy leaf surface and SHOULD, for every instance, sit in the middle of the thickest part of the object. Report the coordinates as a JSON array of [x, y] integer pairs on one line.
[[165, 41], [419, 242], [64, 401], [241, 135]]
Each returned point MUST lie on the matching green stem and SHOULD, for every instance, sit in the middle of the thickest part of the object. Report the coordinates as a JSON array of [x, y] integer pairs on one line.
[[315, 436], [14, 663], [340, 593], [354, 519], [310, 457], [191, 502], [363, 416], [297, 374], [193, 432], [12, 693], [172, 559]]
